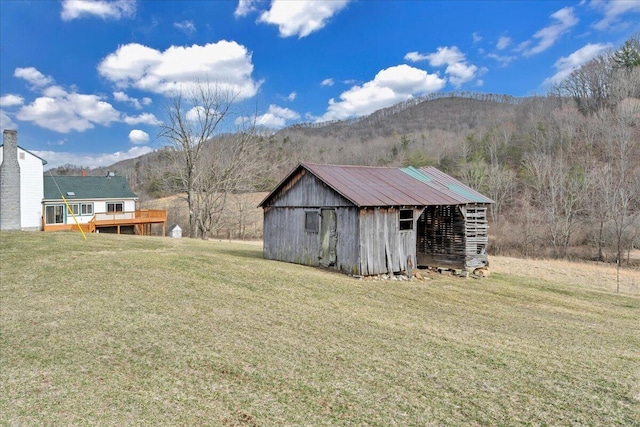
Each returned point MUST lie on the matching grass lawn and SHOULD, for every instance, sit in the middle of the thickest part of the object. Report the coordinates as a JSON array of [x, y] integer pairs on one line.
[[123, 330]]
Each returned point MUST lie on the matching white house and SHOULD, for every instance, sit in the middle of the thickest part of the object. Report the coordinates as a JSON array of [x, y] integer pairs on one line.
[[90, 198], [21, 186], [31, 201]]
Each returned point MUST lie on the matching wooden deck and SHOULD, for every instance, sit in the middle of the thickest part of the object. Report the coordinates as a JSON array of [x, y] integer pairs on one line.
[[141, 220]]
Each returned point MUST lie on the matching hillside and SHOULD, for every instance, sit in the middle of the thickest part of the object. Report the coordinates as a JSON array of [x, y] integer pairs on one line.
[[430, 124]]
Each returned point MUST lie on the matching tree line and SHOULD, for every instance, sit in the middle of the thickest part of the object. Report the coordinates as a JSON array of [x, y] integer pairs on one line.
[[563, 169]]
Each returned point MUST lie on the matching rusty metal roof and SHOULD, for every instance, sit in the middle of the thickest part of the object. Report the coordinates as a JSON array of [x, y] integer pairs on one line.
[[367, 186]]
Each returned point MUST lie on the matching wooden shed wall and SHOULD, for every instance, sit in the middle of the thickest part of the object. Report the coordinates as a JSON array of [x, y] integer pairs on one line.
[[384, 248], [305, 190], [285, 238], [348, 248]]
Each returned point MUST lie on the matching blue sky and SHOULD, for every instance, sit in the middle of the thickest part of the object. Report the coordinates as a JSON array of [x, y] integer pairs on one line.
[[85, 82]]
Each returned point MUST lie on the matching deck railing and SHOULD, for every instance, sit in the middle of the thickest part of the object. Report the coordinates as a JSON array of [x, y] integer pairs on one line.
[[132, 217], [135, 218]]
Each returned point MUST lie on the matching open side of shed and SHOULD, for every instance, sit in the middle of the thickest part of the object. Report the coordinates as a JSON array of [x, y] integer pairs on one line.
[[453, 236]]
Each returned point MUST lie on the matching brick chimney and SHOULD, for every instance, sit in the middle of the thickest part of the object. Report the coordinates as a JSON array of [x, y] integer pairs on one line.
[[10, 182]]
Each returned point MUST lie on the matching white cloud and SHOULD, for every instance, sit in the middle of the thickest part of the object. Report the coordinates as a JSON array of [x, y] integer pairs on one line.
[[547, 36], [458, 70], [54, 91], [57, 158], [138, 136], [445, 56], [613, 11], [72, 9], [194, 113], [11, 100], [390, 86], [460, 73], [6, 122], [68, 111], [64, 111], [58, 142], [186, 27], [144, 118], [275, 117], [301, 18], [228, 64], [566, 65], [476, 37], [504, 60], [327, 82], [33, 76], [123, 97], [292, 96], [415, 57], [503, 42], [245, 7]]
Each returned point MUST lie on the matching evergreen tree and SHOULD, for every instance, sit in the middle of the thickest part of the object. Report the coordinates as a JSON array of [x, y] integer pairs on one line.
[[628, 56]]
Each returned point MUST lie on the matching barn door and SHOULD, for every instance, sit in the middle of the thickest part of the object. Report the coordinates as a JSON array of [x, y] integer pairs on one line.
[[328, 238]]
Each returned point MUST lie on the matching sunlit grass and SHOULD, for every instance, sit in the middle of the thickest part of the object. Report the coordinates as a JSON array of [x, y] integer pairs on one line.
[[123, 330]]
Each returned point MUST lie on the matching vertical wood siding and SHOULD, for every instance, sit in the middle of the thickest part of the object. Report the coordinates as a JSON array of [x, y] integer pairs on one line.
[[383, 247], [285, 238], [305, 190], [348, 247]]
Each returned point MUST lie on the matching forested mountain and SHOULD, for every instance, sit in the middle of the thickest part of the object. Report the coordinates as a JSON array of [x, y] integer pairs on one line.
[[563, 169], [433, 126]]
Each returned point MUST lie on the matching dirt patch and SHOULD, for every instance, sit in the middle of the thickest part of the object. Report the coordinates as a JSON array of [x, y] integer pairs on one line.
[[584, 274]]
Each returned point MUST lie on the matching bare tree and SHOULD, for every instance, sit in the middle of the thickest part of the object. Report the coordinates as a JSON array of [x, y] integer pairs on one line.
[[230, 165], [193, 117], [501, 182], [622, 190], [560, 190], [590, 85], [474, 173]]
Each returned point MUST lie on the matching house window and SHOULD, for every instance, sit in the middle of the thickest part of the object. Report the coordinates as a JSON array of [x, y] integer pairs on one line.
[[54, 214], [406, 219], [115, 207], [74, 208], [86, 208], [312, 221]]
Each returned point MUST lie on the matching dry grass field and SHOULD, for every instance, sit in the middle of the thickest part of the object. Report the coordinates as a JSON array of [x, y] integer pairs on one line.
[[586, 275], [127, 330]]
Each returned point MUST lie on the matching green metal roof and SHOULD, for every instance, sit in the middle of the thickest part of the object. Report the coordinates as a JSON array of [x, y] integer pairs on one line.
[[415, 173], [464, 192], [87, 187]]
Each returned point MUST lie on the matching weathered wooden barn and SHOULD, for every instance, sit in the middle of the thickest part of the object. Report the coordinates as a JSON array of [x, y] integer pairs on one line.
[[373, 220]]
